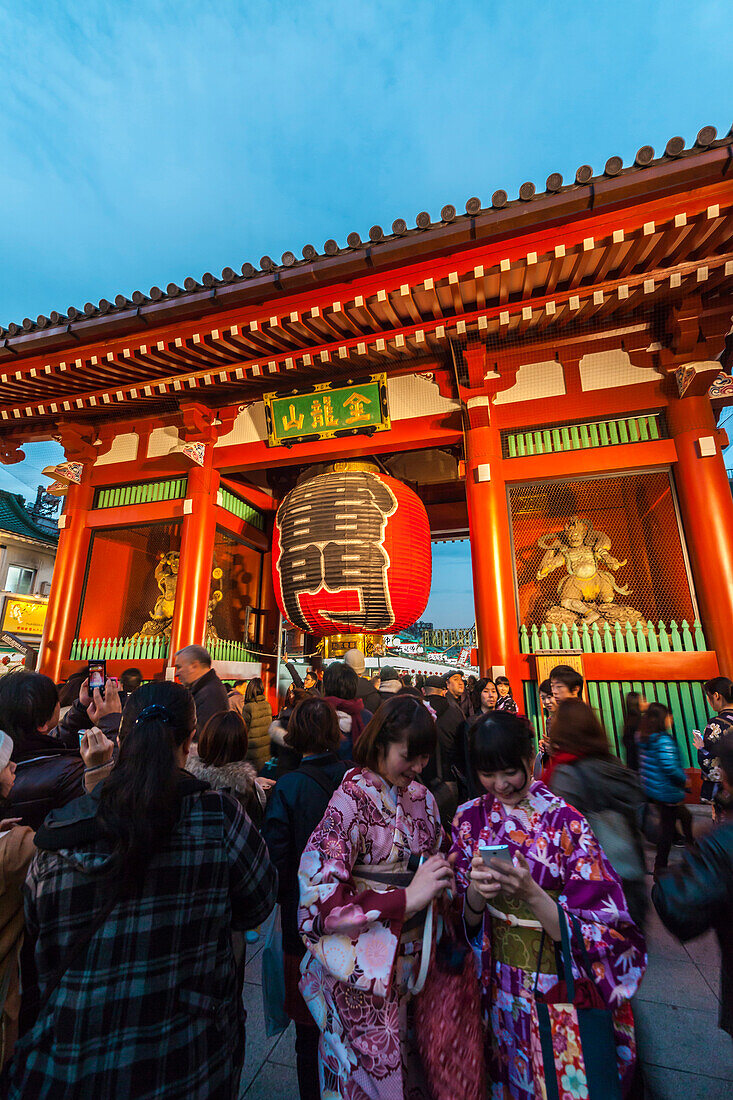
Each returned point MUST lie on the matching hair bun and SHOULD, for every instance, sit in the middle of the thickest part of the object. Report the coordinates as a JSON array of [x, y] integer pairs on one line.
[[155, 710]]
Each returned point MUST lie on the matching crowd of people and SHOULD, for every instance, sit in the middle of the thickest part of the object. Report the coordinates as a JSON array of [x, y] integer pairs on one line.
[[432, 858]]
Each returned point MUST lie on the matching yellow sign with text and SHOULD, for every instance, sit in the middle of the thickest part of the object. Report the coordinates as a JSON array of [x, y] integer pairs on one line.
[[24, 616]]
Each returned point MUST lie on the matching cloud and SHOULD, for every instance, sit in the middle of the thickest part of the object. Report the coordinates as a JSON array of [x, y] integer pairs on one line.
[[24, 477]]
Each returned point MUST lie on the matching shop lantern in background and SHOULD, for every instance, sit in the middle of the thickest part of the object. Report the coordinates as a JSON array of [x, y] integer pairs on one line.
[[351, 553]]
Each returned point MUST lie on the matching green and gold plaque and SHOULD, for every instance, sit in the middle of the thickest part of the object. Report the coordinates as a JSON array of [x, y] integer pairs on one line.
[[327, 411]]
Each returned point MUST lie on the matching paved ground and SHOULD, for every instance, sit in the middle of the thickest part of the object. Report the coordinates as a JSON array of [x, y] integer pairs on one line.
[[685, 1055]]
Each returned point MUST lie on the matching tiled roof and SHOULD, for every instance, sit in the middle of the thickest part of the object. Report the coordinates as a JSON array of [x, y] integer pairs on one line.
[[377, 240], [15, 519]]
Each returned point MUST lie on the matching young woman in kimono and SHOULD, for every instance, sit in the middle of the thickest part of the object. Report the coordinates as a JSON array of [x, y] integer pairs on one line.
[[366, 877], [555, 858]]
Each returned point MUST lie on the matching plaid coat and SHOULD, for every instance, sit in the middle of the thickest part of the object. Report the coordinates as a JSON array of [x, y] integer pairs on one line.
[[150, 1008]]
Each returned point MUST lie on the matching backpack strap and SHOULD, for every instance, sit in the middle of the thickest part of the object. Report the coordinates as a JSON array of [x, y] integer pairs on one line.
[[316, 774]]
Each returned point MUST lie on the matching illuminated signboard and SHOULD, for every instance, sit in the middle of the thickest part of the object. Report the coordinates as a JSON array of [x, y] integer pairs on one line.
[[327, 411], [24, 616]]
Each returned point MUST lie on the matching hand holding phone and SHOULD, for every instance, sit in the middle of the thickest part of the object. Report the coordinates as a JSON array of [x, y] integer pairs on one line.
[[495, 851], [97, 676]]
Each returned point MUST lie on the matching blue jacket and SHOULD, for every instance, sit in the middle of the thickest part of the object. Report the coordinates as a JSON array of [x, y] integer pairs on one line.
[[662, 775]]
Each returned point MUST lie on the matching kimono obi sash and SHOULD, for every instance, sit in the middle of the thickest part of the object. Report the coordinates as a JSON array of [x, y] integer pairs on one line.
[[518, 944], [385, 876]]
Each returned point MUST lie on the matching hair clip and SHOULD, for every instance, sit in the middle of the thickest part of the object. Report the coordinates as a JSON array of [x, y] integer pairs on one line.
[[155, 710]]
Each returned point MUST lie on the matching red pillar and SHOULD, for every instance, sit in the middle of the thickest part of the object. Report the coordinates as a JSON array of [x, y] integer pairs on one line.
[[68, 579], [706, 506], [197, 554], [491, 553]]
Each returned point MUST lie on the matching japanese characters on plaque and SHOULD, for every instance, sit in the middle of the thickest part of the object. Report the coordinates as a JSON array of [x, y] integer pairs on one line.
[[327, 411]]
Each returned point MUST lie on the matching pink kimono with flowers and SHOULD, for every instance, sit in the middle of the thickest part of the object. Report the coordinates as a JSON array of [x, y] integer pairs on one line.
[[362, 954], [567, 861]]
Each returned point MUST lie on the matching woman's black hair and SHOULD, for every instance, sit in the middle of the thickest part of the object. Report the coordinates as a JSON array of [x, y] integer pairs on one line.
[[719, 685], [633, 700], [500, 742], [313, 727], [255, 690], [139, 804], [69, 691], [403, 716], [503, 680], [653, 720], [340, 681], [27, 702]]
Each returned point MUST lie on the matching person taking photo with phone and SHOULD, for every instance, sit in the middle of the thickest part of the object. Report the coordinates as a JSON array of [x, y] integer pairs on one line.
[[49, 767], [551, 857]]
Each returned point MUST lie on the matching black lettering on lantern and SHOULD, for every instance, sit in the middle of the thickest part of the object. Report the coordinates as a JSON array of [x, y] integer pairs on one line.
[[333, 563]]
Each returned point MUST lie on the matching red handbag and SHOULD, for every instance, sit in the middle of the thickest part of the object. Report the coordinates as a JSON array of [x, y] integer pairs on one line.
[[449, 1030]]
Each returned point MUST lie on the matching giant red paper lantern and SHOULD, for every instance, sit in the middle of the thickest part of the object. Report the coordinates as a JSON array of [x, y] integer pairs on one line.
[[351, 554]]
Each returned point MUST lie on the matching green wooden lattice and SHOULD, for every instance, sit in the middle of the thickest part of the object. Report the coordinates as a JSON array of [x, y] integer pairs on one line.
[[622, 638], [141, 492], [579, 437], [120, 649], [230, 502]]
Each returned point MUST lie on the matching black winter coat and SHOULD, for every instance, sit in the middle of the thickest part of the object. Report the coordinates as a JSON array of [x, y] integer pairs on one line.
[[698, 895], [210, 697], [51, 775], [366, 691], [295, 807], [450, 724]]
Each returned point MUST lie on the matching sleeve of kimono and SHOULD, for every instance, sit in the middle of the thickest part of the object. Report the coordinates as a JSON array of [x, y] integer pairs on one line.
[[592, 893], [462, 842], [465, 825], [354, 934]]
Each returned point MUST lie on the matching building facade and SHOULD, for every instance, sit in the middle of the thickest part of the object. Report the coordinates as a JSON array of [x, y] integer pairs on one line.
[[546, 366], [27, 553]]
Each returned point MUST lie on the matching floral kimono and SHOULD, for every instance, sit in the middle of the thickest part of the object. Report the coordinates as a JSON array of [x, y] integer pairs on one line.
[[363, 956], [567, 861]]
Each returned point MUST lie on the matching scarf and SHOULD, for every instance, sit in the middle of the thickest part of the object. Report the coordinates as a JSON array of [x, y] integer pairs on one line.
[[558, 758], [352, 707]]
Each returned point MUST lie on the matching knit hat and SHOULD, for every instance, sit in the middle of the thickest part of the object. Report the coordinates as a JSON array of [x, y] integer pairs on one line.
[[387, 674], [354, 658], [6, 749]]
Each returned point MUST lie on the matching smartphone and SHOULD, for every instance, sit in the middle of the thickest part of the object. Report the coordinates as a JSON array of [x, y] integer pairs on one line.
[[495, 851], [97, 676]]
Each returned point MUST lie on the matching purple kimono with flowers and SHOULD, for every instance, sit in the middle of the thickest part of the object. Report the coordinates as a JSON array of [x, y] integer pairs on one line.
[[362, 955], [566, 860]]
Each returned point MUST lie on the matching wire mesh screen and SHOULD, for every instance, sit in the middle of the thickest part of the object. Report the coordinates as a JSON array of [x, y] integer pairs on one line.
[[604, 549], [235, 600], [131, 581], [573, 363]]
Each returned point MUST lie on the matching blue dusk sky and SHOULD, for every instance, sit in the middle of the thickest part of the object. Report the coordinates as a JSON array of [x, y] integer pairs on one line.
[[144, 142]]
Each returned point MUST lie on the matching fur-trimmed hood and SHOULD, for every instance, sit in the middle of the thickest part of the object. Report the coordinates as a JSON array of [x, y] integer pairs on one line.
[[240, 775]]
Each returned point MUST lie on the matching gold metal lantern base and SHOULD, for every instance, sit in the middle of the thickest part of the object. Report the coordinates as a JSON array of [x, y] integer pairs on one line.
[[336, 645]]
